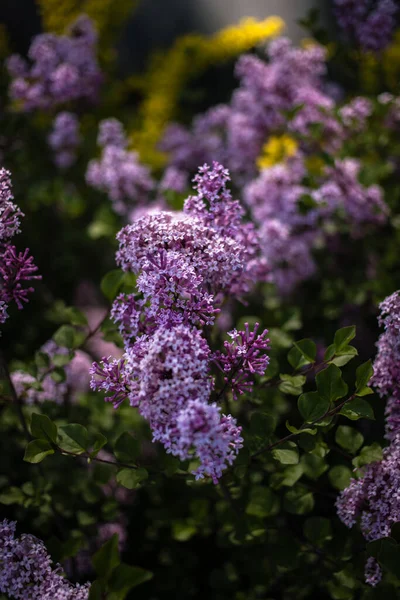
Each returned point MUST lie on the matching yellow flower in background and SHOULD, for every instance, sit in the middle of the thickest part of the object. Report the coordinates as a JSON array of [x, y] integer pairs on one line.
[[108, 15], [169, 73], [383, 71], [276, 150]]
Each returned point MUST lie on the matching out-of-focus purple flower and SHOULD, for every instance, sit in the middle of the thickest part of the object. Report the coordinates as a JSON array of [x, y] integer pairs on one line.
[[63, 69], [174, 179], [118, 172], [27, 570], [355, 113], [373, 572], [64, 139], [369, 25]]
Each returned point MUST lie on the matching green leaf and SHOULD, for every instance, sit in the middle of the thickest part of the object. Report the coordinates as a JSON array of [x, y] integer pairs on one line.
[[294, 429], [363, 375], [37, 450], [97, 442], [286, 454], [124, 578], [292, 384], [343, 337], [262, 424], [74, 438], [12, 495], [96, 591], [65, 336], [348, 438], [344, 356], [126, 448], [368, 455], [43, 428], [317, 530], [312, 406], [75, 316], [42, 360], [313, 466], [263, 502], [357, 409], [387, 552], [296, 358], [111, 283], [329, 353], [298, 501], [131, 478], [288, 477], [307, 348], [330, 384], [340, 476], [107, 558]]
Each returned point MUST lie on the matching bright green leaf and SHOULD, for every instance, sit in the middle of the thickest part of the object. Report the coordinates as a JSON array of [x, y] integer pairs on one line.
[[291, 384], [368, 455], [340, 476], [286, 454], [307, 348], [343, 337], [363, 375]]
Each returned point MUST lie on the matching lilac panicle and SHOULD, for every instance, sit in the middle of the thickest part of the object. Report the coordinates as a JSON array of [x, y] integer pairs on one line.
[[243, 358], [27, 572], [64, 139], [61, 69], [118, 172]]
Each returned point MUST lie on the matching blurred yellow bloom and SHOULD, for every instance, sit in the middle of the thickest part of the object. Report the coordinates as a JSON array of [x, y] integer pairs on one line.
[[169, 73], [315, 165], [383, 71], [276, 150]]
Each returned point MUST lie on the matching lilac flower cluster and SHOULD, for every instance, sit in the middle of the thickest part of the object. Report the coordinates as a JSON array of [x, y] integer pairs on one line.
[[370, 25], [118, 172], [186, 264], [15, 267], [288, 94], [374, 497], [64, 139], [63, 69], [387, 362], [27, 572]]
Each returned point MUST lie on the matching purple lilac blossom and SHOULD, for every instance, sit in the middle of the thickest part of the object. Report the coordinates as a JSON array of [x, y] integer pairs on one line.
[[186, 264], [16, 268], [118, 172], [64, 139], [61, 69], [370, 25], [242, 358], [27, 570]]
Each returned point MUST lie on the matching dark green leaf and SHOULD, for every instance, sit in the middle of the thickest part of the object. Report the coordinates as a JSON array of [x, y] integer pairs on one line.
[[330, 384], [97, 442], [357, 409], [312, 406], [37, 450], [363, 375], [65, 336], [263, 502], [348, 438], [298, 501], [74, 438], [292, 384], [131, 478], [368, 455], [111, 283], [296, 358], [126, 448], [387, 553], [313, 466], [107, 558], [317, 530], [340, 476], [124, 578], [43, 428], [343, 337], [307, 348], [286, 454], [75, 316], [96, 591], [293, 429], [262, 424]]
